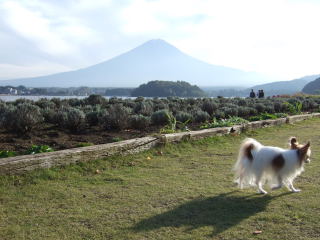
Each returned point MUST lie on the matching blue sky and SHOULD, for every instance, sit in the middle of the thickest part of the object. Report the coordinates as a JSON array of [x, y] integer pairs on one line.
[[279, 38]]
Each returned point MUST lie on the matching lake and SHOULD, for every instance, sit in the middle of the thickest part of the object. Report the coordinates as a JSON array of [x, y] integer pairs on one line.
[[10, 98]]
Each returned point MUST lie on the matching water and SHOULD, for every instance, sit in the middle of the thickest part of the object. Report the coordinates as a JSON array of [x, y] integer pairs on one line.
[[10, 98]]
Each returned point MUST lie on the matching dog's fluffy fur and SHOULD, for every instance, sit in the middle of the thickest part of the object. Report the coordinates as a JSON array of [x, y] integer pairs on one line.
[[258, 164]]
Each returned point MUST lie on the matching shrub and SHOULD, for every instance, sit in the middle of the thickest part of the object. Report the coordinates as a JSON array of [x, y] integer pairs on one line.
[[269, 108], [265, 116], [201, 116], [219, 114], [48, 115], [183, 117], [95, 116], [6, 153], [70, 118], [117, 117], [34, 149], [25, 117], [144, 108], [243, 111], [84, 144], [260, 107], [230, 111], [117, 139], [224, 122], [95, 99], [160, 106], [22, 101], [58, 102], [74, 102], [242, 102], [277, 107], [45, 103], [6, 115], [140, 122], [161, 117], [209, 106]]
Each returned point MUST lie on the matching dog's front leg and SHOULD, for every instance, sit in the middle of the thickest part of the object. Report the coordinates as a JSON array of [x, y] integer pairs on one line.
[[293, 189], [259, 184]]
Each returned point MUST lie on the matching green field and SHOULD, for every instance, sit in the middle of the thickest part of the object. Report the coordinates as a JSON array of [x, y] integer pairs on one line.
[[186, 191]]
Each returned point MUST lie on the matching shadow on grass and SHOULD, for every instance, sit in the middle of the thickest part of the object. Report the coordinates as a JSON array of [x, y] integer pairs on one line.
[[221, 212]]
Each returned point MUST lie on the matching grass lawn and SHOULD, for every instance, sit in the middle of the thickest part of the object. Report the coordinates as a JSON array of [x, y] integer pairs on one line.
[[187, 192]]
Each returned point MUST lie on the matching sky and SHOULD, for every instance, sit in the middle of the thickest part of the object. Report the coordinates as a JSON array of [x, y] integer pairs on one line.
[[279, 38]]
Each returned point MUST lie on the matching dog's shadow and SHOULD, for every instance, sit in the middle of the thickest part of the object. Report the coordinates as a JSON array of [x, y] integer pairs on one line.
[[220, 212]]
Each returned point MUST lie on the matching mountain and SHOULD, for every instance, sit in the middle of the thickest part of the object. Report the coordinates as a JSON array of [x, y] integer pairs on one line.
[[285, 87], [153, 60], [312, 87]]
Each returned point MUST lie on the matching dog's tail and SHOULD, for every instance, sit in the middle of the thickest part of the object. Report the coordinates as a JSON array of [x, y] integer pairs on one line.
[[242, 168]]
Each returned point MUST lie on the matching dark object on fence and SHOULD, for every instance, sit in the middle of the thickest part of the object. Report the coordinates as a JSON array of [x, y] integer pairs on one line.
[[252, 94], [261, 94]]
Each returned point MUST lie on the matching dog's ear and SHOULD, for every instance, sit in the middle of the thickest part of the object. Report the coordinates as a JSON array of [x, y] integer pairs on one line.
[[304, 149], [293, 143]]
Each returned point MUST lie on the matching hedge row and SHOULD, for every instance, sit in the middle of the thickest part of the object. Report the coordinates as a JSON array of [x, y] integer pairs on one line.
[[115, 113]]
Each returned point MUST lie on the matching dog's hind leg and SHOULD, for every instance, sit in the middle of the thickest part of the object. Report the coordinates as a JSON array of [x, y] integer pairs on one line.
[[280, 183], [241, 179]]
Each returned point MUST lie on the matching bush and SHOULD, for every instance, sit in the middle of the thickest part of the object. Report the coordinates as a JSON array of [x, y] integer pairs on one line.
[[6, 153], [219, 114], [209, 106], [243, 111], [24, 118], [6, 115], [260, 107], [230, 111], [74, 102], [161, 105], [94, 116], [117, 117], [95, 99], [45, 103], [201, 116], [144, 108], [34, 149], [161, 117], [224, 122], [183, 117], [263, 116], [71, 118], [140, 122], [49, 115]]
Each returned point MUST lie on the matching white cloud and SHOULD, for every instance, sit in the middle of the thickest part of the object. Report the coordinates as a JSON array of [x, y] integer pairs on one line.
[[10, 71], [276, 37], [53, 32], [34, 26]]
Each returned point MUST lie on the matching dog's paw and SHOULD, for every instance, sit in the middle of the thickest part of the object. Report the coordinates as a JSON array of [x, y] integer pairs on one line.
[[296, 190], [263, 191]]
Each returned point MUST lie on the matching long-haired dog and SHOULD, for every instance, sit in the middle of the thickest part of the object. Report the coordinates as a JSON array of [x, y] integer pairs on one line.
[[258, 164]]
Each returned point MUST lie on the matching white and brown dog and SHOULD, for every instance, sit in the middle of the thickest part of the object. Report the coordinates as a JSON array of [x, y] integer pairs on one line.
[[258, 164]]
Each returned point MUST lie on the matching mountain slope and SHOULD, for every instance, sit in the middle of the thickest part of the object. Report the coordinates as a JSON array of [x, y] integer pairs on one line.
[[153, 60], [285, 87], [312, 87]]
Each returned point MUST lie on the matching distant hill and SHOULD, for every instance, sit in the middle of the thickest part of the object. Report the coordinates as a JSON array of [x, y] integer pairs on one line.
[[155, 59], [312, 87], [284, 87], [167, 89]]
